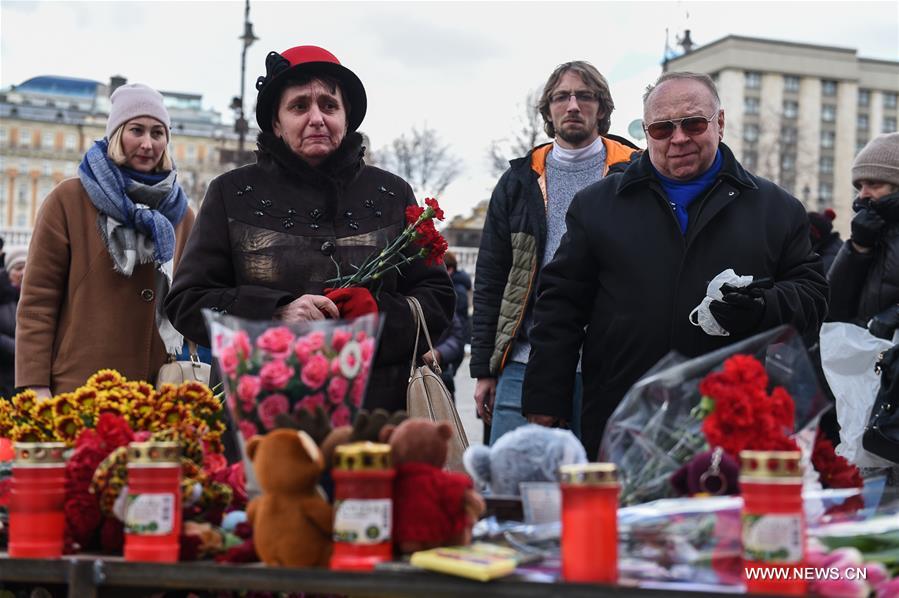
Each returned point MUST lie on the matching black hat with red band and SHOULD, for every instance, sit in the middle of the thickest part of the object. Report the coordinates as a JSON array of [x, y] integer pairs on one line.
[[306, 61]]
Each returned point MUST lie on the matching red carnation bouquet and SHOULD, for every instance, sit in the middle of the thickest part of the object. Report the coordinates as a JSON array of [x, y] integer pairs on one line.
[[760, 393], [419, 240], [738, 414]]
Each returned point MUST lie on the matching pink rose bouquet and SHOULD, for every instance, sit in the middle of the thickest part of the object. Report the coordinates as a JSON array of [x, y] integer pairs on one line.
[[272, 369]]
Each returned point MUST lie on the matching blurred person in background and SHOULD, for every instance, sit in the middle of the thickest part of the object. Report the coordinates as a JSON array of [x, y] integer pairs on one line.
[[864, 277], [825, 241], [102, 254], [449, 351], [10, 283]]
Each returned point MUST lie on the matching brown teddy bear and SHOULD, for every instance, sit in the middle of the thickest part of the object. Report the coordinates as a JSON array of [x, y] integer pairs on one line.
[[431, 507], [291, 521]]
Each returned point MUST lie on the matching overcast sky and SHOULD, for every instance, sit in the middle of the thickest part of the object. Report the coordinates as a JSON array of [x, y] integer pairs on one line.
[[461, 68]]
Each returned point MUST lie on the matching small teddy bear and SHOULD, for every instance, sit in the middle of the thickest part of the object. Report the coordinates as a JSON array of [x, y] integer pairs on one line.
[[431, 507], [530, 453], [292, 523]]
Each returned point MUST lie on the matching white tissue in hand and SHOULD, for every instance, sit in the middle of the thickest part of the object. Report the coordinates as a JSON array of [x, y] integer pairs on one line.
[[701, 315]]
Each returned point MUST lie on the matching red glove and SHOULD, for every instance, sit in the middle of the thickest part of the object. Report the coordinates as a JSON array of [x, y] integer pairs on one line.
[[353, 301]]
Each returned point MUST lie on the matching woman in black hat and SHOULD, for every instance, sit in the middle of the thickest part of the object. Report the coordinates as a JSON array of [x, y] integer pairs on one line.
[[268, 234]]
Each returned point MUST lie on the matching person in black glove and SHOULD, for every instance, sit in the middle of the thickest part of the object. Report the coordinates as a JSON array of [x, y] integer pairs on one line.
[[742, 309], [884, 324], [864, 277], [867, 226]]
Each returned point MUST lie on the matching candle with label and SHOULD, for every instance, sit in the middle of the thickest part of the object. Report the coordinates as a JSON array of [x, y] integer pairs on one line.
[[363, 506], [773, 522], [153, 508]]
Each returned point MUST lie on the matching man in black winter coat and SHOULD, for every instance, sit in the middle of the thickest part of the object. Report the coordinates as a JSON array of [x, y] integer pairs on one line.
[[640, 251]]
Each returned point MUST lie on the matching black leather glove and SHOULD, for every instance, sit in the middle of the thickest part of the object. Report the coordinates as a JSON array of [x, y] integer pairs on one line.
[[884, 324], [866, 227], [739, 312]]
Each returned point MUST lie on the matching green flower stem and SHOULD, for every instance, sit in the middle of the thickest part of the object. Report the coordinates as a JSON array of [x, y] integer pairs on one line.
[[377, 264]]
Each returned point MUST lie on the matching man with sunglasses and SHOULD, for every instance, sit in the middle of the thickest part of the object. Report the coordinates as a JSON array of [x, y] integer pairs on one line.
[[524, 224], [641, 248]]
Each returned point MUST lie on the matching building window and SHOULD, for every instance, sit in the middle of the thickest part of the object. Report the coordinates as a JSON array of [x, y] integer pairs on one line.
[[828, 87], [791, 109], [889, 100], [828, 138], [751, 105], [24, 137], [889, 124], [787, 162], [751, 133], [826, 164], [48, 168], [69, 169], [48, 140], [828, 113], [789, 135], [191, 152], [864, 97], [862, 122], [750, 160], [860, 143], [4, 136], [791, 83], [825, 192], [753, 79]]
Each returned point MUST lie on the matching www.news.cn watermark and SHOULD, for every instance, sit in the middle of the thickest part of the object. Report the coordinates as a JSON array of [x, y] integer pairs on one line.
[[806, 573]]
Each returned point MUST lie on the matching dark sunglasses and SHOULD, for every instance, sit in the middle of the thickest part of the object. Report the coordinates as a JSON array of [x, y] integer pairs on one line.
[[691, 125]]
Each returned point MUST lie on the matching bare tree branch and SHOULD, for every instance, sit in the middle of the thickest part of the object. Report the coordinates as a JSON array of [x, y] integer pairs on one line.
[[529, 133], [423, 160]]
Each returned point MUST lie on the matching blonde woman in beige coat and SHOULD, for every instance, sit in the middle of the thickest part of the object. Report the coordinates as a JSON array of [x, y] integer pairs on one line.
[[102, 256]]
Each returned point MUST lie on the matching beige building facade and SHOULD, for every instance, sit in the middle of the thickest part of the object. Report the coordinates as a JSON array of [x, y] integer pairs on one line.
[[798, 113], [47, 124]]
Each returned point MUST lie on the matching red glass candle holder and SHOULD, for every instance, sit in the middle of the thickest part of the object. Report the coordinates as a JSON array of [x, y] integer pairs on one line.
[[36, 500], [363, 506], [773, 522], [590, 522], [153, 509]]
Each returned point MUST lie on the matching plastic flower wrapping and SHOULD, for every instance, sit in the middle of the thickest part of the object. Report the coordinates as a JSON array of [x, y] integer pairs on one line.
[[664, 420], [272, 370]]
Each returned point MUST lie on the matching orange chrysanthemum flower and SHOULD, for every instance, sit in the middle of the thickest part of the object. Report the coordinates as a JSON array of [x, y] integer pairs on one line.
[[24, 402], [86, 399], [27, 433], [65, 404], [105, 379], [68, 427], [43, 411]]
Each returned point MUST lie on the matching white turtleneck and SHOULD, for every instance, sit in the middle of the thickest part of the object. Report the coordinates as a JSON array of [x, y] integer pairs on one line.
[[582, 154]]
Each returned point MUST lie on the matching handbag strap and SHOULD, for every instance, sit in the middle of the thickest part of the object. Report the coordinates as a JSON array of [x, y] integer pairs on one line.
[[420, 325]]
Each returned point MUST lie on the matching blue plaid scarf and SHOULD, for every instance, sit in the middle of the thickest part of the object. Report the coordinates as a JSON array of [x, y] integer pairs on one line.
[[110, 189], [137, 216]]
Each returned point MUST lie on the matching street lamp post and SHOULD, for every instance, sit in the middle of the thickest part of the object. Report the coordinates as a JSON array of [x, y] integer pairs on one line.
[[240, 125]]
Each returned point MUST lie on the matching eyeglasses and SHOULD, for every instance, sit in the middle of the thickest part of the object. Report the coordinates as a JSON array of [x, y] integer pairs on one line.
[[691, 125], [582, 97]]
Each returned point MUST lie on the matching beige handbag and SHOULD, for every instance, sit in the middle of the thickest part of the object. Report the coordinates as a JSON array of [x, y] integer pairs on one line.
[[428, 397], [178, 372]]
